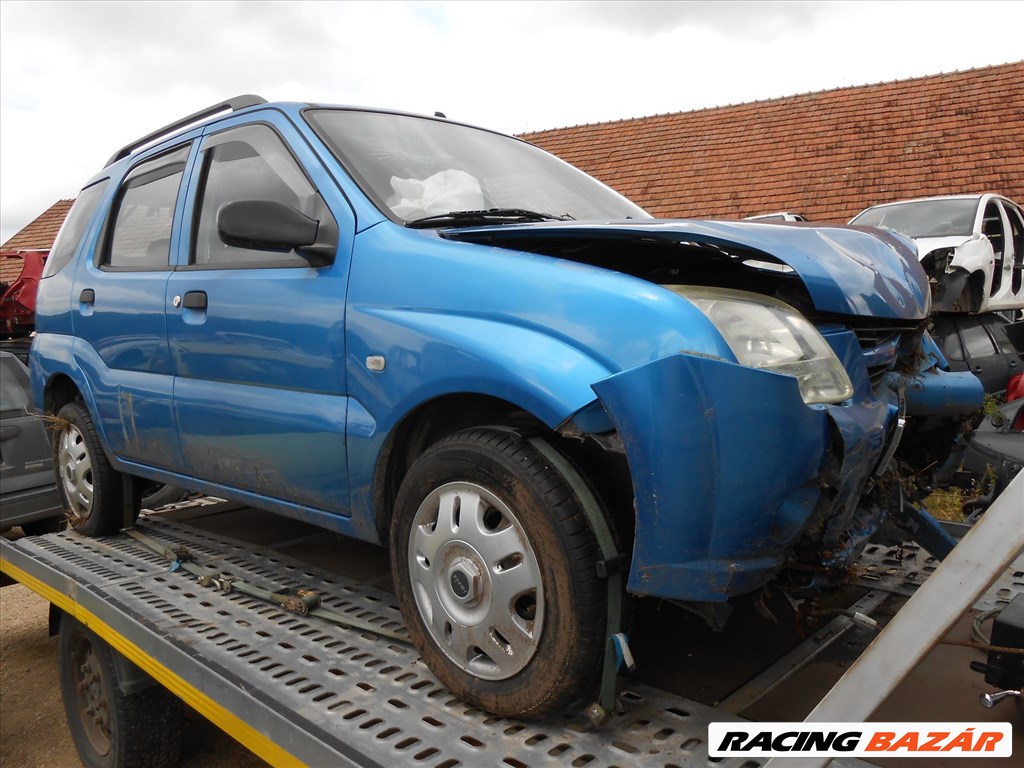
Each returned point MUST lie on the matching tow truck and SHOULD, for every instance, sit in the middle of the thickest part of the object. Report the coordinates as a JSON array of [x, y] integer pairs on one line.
[[287, 638]]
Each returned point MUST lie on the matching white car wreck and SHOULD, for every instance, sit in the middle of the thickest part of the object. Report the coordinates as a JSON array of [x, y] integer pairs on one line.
[[971, 246]]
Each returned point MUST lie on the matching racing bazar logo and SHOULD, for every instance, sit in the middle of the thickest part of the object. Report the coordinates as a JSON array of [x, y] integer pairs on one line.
[[860, 739]]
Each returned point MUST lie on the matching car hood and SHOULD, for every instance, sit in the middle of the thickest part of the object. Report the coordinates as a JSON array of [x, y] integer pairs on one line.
[[926, 245], [846, 270]]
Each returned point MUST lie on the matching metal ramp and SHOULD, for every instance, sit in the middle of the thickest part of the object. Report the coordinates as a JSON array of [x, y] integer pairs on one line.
[[298, 690]]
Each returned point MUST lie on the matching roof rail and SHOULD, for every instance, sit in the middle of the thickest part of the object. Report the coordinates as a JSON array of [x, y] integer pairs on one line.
[[234, 104]]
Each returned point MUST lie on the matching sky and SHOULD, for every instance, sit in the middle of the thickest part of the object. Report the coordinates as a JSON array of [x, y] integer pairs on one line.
[[79, 80]]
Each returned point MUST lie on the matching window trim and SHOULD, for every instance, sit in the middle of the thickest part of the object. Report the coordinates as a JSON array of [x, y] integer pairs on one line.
[[131, 179], [288, 261]]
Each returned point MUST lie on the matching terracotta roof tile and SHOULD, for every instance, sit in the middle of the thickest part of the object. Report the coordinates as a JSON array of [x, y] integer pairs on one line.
[[827, 155], [41, 232]]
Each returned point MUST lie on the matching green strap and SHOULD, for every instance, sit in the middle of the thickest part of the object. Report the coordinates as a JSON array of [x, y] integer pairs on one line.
[[303, 602], [600, 711]]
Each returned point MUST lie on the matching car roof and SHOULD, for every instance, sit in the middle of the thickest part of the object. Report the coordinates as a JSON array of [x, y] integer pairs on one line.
[[973, 196]]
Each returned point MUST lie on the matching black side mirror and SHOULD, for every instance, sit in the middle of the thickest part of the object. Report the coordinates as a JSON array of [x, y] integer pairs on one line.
[[273, 226]]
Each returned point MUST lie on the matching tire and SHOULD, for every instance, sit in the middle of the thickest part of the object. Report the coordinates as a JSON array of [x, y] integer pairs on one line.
[[504, 605], [110, 728], [91, 489]]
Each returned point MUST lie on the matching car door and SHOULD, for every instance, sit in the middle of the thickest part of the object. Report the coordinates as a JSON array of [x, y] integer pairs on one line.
[[969, 346], [256, 336], [27, 488], [120, 314], [1013, 263]]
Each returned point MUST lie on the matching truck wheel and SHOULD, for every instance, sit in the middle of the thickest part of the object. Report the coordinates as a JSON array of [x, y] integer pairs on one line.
[[91, 489], [494, 563], [111, 729]]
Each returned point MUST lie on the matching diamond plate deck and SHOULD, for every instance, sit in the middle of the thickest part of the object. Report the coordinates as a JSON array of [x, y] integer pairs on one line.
[[331, 695], [902, 569]]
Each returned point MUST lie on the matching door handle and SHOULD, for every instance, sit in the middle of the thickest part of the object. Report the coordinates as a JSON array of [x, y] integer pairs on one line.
[[87, 296], [194, 300]]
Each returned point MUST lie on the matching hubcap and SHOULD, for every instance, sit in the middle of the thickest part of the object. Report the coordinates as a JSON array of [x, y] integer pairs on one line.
[[476, 580], [75, 465]]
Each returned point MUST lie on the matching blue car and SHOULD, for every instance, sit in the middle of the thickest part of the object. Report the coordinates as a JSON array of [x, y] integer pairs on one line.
[[433, 336]]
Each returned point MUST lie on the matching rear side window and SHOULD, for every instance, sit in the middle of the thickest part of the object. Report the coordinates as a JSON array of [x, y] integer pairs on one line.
[[74, 227], [140, 237], [14, 388]]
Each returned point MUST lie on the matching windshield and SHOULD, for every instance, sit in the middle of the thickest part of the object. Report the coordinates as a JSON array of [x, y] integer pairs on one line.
[[925, 218], [417, 167]]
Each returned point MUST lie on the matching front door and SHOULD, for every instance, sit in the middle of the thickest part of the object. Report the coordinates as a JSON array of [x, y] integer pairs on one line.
[[257, 337]]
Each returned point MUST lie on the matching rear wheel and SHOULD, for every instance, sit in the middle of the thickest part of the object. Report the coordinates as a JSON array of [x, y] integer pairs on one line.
[[494, 561], [91, 489], [112, 729]]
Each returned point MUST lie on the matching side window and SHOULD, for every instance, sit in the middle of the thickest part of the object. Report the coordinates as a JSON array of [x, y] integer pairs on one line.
[[951, 347], [995, 328], [248, 163], [74, 227], [140, 236], [977, 342], [992, 228], [14, 387], [1013, 215]]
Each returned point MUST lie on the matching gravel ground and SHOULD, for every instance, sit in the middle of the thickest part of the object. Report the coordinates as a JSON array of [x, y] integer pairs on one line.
[[33, 729]]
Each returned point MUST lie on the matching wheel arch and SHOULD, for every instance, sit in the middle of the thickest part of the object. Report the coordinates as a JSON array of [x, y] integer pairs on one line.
[[60, 390], [433, 420]]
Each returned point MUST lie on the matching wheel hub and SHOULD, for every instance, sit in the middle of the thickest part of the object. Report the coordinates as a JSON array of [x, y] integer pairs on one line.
[[464, 579]]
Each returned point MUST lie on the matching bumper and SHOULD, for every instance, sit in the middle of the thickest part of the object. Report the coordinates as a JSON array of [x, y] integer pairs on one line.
[[729, 467]]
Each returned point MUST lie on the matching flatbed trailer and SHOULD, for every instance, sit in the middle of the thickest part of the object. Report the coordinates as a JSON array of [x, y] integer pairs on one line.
[[298, 690]]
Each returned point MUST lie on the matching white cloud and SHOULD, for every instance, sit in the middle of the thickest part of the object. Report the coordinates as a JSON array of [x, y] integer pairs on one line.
[[80, 79]]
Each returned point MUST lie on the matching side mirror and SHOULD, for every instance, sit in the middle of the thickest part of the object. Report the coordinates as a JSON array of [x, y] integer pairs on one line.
[[272, 226]]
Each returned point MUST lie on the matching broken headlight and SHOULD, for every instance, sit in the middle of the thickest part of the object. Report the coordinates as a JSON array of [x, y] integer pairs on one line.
[[766, 333]]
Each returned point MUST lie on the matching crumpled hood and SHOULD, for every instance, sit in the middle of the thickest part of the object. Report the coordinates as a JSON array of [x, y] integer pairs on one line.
[[926, 245], [847, 270]]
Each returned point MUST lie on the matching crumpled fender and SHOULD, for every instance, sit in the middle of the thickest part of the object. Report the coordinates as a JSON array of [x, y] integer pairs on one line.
[[723, 466]]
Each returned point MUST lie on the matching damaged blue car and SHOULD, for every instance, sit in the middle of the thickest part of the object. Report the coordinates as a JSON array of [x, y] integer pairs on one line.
[[437, 337]]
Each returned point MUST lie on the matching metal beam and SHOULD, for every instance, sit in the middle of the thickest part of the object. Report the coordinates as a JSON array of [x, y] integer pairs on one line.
[[962, 578]]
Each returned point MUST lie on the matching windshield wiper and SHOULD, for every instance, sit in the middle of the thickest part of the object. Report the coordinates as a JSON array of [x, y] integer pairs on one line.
[[489, 216]]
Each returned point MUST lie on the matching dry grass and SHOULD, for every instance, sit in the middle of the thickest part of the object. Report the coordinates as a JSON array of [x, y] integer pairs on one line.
[[947, 504]]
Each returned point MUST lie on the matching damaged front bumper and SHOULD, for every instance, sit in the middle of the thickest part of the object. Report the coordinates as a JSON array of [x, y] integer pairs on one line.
[[734, 475]]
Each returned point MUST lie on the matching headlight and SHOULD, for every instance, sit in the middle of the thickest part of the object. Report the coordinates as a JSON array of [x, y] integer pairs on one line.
[[766, 333]]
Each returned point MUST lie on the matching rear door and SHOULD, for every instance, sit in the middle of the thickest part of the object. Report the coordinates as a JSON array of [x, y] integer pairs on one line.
[[120, 313], [257, 337]]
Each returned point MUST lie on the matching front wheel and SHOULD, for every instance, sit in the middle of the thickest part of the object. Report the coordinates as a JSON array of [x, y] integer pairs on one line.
[[91, 489], [494, 562]]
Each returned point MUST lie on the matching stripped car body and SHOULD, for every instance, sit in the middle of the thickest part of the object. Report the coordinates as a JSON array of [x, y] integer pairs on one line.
[[971, 246], [402, 347]]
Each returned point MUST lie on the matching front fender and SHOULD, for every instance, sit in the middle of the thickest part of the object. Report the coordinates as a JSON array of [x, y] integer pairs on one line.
[[723, 460], [430, 355]]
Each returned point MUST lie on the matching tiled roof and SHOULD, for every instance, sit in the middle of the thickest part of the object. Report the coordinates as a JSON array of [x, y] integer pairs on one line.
[[37, 236], [41, 232], [827, 155]]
